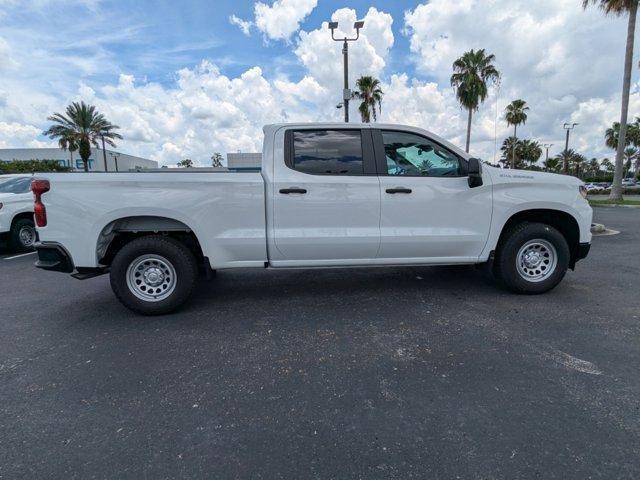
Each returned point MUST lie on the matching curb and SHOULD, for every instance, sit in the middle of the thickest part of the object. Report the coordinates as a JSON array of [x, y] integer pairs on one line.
[[614, 206]]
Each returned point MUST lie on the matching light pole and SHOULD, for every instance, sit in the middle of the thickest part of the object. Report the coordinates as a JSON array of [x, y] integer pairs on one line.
[[115, 158], [104, 154], [346, 93], [547, 146], [565, 164]]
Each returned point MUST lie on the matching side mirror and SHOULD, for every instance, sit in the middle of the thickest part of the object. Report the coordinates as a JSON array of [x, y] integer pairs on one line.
[[475, 173]]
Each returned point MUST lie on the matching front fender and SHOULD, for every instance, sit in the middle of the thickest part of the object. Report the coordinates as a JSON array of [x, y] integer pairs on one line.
[[509, 205]]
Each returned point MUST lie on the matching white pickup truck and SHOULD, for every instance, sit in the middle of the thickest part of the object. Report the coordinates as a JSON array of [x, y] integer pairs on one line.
[[16, 212], [327, 195]]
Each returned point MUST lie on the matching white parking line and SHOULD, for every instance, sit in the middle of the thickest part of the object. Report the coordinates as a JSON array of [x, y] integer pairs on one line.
[[18, 256]]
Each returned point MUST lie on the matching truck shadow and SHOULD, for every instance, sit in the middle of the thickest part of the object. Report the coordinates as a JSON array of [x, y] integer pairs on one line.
[[277, 293]]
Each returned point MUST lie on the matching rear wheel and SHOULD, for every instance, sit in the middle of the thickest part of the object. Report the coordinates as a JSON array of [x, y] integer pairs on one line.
[[533, 258], [23, 235], [153, 275]]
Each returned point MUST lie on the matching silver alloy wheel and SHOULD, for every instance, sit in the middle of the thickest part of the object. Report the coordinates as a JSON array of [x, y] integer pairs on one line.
[[151, 278], [537, 260], [27, 236]]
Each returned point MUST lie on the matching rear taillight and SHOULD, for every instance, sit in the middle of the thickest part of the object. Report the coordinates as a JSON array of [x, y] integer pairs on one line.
[[38, 187]]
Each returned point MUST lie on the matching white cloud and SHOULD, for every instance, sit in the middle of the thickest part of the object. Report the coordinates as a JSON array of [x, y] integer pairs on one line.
[[6, 60], [13, 134], [204, 111], [565, 62], [282, 19], [551, 53], [368, 56], [244, 25]]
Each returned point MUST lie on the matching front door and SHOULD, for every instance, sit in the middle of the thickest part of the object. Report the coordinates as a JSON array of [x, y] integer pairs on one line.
[[326, 199], [428, 211]]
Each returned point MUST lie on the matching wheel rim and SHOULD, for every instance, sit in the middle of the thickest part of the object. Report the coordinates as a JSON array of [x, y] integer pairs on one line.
[[151, 278], [27, 236], [537, 260]]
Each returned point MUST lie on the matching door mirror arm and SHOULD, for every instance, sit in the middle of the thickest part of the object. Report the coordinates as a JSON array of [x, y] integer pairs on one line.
[[475, 173]]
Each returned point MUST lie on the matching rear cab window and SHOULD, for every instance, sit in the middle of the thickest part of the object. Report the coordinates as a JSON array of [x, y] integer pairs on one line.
[[331, 151]]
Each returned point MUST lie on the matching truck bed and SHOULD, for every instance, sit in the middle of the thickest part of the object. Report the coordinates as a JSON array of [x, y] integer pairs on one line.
[[226, 210]]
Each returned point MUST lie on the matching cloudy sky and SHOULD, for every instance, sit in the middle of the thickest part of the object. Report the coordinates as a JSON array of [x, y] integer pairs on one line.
[[188, 78]]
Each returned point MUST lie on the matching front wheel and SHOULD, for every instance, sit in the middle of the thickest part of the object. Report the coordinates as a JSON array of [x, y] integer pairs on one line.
[[533, 258], [153, 275]]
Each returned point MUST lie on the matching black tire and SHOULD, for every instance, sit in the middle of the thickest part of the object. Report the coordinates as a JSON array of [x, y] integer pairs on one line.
[[21, 230], [521, 279], [172, 259]]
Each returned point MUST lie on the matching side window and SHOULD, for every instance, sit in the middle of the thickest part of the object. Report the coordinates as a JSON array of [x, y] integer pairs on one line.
[[328, 152], [412, 155]]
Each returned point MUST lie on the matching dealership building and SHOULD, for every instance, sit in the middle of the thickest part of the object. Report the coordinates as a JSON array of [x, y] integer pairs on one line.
[[244, 161], [116, 161]]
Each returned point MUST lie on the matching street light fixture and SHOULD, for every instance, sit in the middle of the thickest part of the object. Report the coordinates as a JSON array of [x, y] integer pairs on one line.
[[346, 93], [568, 127], [547, 146]]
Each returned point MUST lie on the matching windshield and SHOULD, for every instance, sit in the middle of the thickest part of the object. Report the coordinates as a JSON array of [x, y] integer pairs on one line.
[[16, 185]]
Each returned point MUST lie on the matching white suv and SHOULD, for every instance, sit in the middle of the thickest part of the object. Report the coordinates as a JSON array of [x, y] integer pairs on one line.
[[16, 212]]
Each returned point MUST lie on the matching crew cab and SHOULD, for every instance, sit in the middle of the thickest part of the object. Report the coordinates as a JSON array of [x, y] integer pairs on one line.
[[327, 195], [16, 212]]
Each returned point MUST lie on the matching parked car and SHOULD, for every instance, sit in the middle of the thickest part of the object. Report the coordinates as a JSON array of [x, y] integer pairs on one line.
[[628, 182], [593, 187], [16, 212], [328, 195]]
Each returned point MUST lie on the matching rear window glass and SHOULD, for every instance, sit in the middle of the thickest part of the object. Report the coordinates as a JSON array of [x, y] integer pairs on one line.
[[16, 185], [328, 152]]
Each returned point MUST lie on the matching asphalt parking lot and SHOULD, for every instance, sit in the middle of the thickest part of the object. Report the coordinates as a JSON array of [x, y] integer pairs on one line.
[[371, 373]]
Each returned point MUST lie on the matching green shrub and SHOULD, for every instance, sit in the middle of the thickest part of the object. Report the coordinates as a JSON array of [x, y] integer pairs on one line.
[[31, 166], [599, 179]]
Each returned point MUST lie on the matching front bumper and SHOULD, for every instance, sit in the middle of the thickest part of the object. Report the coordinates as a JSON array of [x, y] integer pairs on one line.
[[53, 257], [583, 251]]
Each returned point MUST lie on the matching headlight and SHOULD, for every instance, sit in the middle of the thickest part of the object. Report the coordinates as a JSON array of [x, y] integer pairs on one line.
[[583, 191]]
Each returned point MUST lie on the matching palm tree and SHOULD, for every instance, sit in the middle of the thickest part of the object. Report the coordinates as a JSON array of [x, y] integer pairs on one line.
[[186, 163], [607, 165], [216, 160], [68, 143], [566, 158], [630, 155], [577, 161], [511, 152], [630, 8], [531, 151], [473, 71], [594, 167], [370, 93], [552, 164], [516, 114], [83, 126], [613, 133]]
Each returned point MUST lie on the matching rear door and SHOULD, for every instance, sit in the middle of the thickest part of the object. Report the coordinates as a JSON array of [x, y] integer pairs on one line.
[[326, 198], [428, 211]]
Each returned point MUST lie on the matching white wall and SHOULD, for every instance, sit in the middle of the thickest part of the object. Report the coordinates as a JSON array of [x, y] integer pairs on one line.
[[244, 160]]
